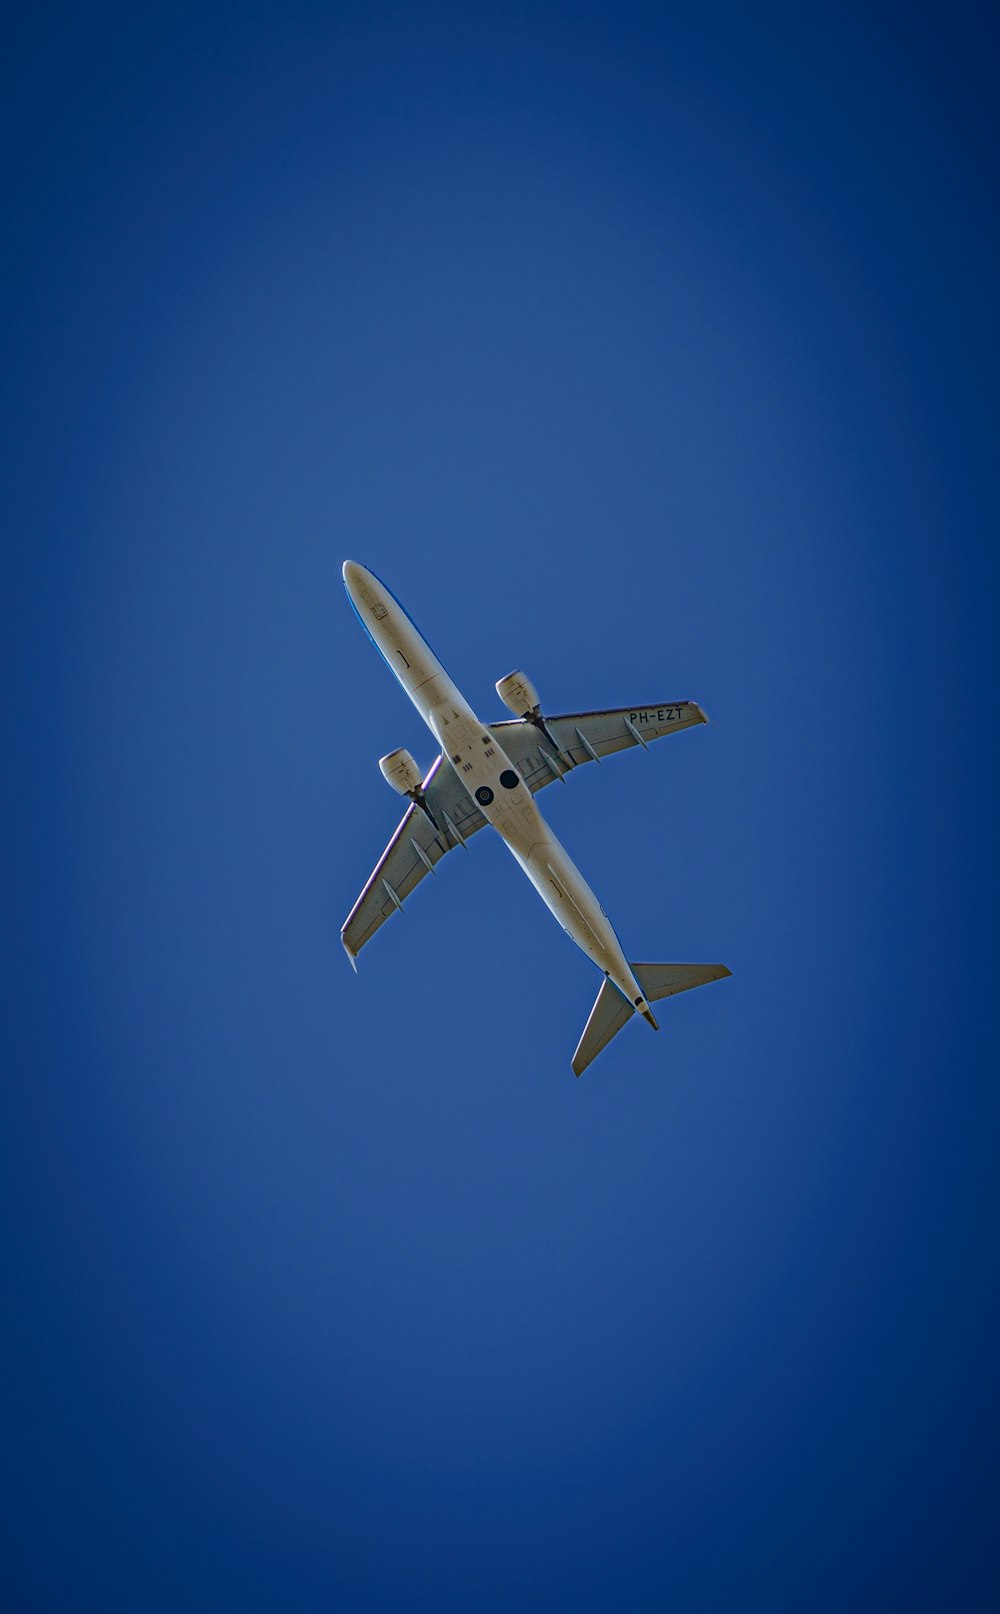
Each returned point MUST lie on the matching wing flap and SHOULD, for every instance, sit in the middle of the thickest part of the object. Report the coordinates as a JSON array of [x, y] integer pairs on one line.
[[544, 754], [417, 846]]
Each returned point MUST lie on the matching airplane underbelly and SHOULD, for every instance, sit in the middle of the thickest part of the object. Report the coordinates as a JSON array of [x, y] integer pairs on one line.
[[505, 801], [564, 890]]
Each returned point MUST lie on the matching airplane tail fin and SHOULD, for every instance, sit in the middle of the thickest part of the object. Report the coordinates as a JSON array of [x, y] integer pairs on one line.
[[612, 1011]]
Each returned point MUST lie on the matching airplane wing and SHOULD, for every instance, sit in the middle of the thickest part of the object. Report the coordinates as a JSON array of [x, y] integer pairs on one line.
[[419, 845], [545, 754], [416, 847]]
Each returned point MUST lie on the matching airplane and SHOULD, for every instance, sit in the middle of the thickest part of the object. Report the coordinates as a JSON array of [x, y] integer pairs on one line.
[[489, 773]]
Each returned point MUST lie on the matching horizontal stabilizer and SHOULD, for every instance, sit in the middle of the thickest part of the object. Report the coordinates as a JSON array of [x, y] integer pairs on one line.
[[612, 1010], [609, 1014], [663, 980]]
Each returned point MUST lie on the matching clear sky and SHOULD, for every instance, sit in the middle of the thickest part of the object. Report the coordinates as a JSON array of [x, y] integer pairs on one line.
[[651, 350]]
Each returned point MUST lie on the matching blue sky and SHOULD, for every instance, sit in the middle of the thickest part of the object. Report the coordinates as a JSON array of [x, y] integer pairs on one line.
[[652, 352]]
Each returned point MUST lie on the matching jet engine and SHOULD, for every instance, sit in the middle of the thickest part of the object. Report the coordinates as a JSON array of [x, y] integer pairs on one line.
[[519, 695], [401, 772]]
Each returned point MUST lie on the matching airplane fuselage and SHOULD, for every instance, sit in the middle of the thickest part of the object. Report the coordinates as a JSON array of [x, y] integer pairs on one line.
[[490, 779]]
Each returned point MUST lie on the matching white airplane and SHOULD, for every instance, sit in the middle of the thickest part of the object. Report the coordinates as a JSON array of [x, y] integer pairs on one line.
[[489, 774]]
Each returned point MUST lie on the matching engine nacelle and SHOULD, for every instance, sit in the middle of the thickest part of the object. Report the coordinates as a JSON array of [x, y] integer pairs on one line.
[[519, 694], [400, 771]]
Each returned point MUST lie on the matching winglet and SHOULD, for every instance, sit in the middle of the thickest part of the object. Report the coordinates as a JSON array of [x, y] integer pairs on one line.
[[352, 956]]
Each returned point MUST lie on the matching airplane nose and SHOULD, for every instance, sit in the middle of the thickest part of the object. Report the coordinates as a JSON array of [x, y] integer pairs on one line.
[[355, 577]]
